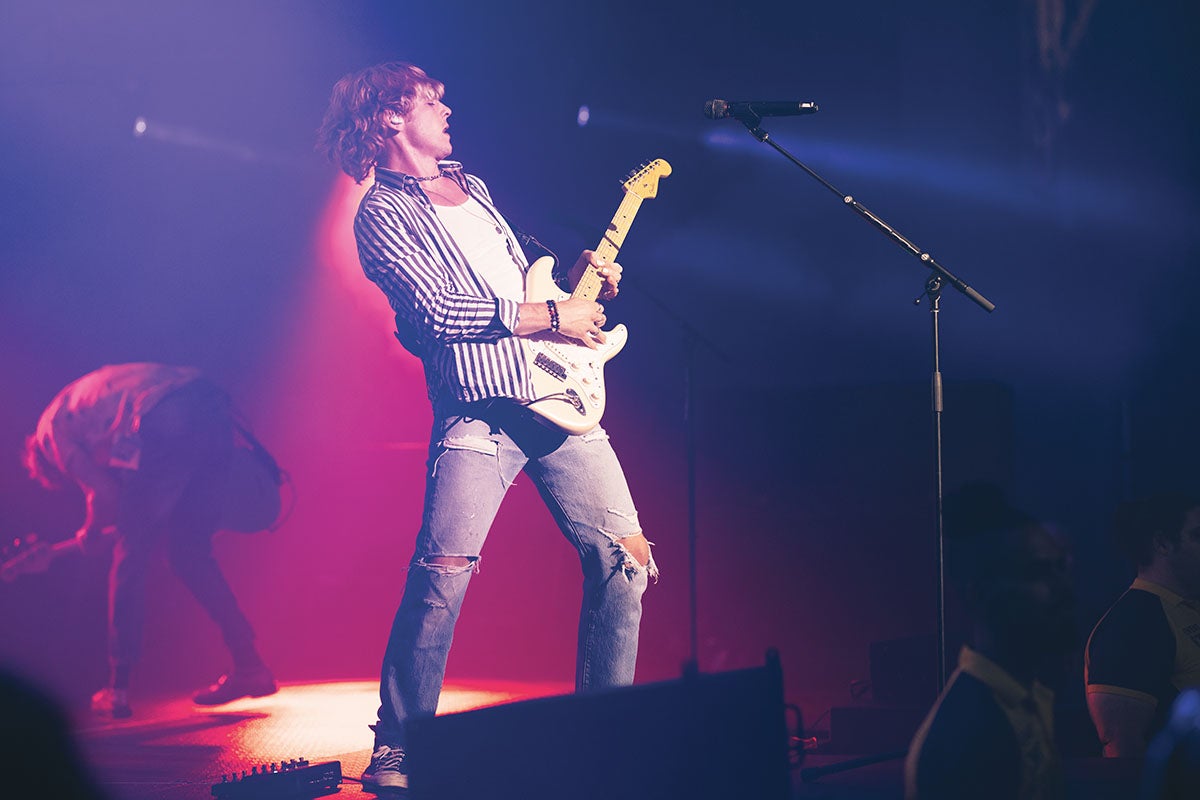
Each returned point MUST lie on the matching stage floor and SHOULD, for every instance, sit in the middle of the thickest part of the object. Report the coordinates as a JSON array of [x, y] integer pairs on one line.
[[174, 750]]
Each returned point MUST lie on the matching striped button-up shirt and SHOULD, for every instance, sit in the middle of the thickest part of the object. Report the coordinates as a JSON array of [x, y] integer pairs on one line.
[[446, 314]]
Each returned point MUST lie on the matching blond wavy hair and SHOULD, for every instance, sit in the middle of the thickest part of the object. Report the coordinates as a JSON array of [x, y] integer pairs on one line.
[[352, 133]]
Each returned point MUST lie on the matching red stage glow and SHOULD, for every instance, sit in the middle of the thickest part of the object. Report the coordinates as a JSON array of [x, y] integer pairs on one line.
[[337, 253], [343, 407]]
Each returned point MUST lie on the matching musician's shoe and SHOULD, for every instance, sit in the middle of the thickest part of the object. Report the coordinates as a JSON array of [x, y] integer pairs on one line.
[[251, 683], [387, 769], [112, 703]]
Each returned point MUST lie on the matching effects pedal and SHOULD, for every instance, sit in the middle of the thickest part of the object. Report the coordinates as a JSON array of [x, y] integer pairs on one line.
[[294, 778]]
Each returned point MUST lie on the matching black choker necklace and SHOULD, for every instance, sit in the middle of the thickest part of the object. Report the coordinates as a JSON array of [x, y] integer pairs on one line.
[[420, 179]]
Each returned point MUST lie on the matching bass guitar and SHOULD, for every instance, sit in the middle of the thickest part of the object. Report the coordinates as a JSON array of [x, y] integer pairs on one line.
[[568, 376]]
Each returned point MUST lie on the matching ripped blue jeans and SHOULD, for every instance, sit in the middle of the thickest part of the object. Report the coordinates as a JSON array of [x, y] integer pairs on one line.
[[475, 454]]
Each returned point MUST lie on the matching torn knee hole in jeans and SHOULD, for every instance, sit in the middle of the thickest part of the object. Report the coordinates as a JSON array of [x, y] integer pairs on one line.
[[449, 565], [595, 435], [631, 563]]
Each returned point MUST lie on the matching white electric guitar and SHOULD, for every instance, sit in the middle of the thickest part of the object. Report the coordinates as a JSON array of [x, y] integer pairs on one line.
[[568, 376]]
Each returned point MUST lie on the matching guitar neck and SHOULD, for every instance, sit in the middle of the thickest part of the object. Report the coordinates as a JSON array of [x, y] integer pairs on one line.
[[592, 282], [33, 556]]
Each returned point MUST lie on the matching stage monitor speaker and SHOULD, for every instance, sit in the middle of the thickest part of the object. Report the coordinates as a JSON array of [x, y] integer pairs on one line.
[[719, 735]]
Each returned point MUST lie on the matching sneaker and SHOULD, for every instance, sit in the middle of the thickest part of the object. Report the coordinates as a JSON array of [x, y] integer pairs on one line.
[[112, 703], [387, 769], [228, 688]]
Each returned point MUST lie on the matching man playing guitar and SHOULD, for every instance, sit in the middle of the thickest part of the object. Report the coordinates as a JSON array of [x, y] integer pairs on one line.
[[451, 267]]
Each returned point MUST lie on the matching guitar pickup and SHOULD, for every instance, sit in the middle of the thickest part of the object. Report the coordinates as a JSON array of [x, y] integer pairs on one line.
[[550, 366]]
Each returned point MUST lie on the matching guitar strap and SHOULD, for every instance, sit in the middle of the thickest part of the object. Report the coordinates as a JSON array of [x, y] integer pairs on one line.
[[559, 274], [252, 502], [268, 461]]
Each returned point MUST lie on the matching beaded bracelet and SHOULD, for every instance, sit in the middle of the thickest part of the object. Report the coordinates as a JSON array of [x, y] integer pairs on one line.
[[552, 307]]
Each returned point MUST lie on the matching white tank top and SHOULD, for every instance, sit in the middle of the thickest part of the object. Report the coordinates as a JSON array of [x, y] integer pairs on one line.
[[484, 243]]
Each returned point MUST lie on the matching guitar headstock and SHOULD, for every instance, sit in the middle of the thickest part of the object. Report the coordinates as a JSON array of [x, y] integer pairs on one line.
[[643, 181]]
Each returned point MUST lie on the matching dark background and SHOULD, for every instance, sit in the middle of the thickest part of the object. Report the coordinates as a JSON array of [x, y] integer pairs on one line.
[[1060, 184]]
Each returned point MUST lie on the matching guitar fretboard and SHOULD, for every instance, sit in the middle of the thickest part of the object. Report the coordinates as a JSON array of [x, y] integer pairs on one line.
[[590, 284]]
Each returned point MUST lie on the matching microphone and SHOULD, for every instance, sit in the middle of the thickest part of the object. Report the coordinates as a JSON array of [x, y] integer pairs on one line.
[[741, 109]]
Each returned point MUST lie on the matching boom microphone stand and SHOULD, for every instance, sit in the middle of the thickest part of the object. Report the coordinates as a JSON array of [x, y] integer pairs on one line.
[[752, 119]]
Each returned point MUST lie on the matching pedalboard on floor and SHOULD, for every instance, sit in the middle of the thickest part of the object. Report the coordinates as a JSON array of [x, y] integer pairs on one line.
[[294, 778]]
